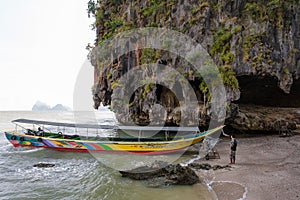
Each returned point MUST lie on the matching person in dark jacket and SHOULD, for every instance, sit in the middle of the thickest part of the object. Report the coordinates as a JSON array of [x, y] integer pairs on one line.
[[233, 146]]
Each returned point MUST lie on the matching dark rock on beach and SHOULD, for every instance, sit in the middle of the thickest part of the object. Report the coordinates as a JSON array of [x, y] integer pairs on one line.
[[155, 176], [44, 165], [206, 166]]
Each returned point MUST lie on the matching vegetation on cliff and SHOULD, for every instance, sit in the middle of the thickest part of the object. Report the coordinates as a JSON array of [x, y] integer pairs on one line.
[[244, 38]]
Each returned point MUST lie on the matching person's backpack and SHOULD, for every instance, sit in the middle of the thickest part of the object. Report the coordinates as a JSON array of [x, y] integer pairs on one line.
[[234, 145]]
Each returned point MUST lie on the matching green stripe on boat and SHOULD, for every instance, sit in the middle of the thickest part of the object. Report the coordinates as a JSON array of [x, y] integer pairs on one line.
[[105, 147]]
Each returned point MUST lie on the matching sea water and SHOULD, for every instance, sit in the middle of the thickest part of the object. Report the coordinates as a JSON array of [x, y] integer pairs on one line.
[[75, 175]]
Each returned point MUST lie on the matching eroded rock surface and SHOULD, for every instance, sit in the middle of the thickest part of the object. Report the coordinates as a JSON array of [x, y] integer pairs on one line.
[[255, 44], [44, 165], [162, 176]]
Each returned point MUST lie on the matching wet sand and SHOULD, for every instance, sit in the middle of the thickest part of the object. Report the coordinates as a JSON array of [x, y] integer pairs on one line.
[[267, 167]]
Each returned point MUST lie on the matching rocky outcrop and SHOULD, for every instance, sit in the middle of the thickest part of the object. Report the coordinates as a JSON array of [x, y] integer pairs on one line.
[[40, 106], [157, 176], [261, 118], [60, 107], [255, 44], [161, 174], [44, 165], [206, 166]]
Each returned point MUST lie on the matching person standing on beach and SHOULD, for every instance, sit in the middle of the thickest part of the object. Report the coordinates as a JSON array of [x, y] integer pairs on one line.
[[233, 145]]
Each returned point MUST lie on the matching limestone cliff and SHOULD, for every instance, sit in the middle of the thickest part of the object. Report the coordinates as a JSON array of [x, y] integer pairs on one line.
[[255, 44]]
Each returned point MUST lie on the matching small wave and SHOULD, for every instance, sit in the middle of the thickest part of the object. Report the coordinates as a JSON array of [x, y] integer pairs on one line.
[[191, 161], [6, 146], [205, 147], [31, 150], [6, 149], [198, 157], [12, 150]]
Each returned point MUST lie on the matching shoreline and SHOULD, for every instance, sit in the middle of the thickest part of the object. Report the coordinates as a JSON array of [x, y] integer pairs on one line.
[[267, 167]]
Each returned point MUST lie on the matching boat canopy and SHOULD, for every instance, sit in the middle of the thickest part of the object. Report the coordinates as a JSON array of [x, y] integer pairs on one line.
[[114, 127]]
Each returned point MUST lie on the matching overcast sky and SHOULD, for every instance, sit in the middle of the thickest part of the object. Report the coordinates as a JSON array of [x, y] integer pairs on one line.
[[42, 48]]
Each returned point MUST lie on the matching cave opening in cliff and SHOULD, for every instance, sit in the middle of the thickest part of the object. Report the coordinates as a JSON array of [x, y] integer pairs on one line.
[[167, 97], [264, 91], [159, 101]]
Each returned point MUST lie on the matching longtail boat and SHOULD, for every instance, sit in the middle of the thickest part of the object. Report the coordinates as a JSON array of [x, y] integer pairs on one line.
[[118, 139]]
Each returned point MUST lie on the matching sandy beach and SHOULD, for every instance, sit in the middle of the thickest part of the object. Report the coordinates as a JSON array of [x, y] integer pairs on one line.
[[267, 167]]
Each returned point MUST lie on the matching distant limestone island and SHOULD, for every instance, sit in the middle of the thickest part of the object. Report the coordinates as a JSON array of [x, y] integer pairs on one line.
[[41, 106]]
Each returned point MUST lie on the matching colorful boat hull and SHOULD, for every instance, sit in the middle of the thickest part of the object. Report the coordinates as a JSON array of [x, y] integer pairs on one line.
[[134, 147]]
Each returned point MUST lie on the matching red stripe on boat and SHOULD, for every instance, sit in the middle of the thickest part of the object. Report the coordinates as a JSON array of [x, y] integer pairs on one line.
[[103, 151]]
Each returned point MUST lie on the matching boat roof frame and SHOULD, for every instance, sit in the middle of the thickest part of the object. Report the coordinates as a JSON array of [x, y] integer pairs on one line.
[[113, 127]]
